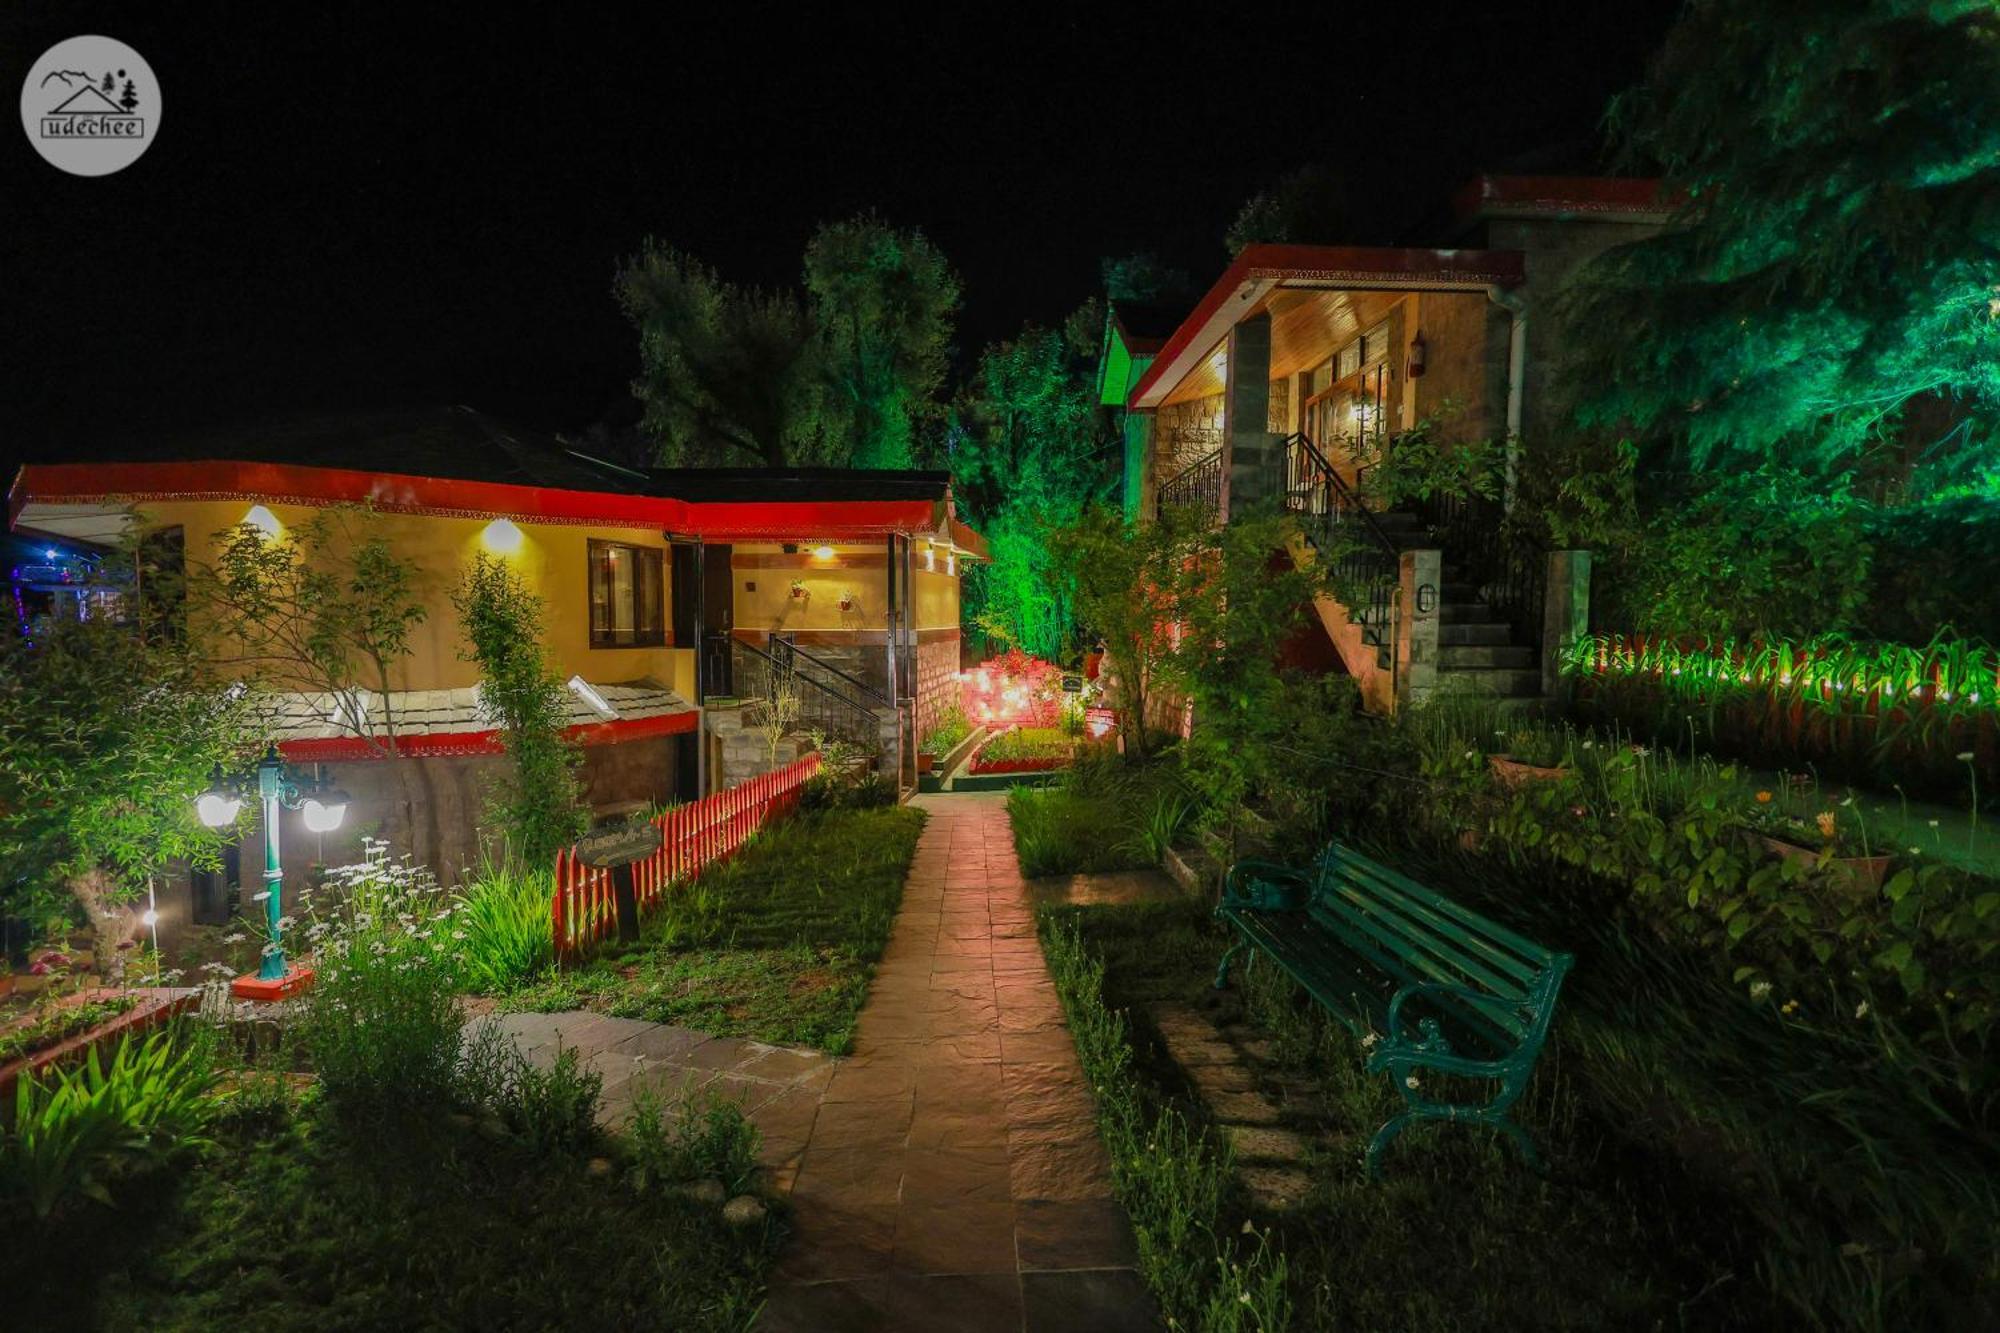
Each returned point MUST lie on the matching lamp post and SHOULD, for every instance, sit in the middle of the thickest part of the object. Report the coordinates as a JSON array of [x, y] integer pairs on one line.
[[322, 809]]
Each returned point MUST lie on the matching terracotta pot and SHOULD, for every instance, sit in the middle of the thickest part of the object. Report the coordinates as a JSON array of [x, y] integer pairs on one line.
[[925, 761], [1864, 874], [1514, 774]]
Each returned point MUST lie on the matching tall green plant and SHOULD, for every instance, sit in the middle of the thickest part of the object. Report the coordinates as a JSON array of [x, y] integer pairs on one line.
[[540, 806]]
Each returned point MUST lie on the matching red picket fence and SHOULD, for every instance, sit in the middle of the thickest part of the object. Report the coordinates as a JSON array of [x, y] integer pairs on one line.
[[691, 837]]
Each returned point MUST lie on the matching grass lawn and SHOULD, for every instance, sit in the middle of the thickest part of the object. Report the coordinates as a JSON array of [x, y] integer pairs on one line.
[[777, 943], [289, 1222], [1457, 1235]]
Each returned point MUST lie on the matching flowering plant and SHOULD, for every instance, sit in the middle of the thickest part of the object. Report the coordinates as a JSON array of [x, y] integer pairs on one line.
[[381, 1023]]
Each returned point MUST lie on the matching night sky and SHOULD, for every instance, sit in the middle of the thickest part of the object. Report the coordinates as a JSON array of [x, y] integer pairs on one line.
[[352, 207]]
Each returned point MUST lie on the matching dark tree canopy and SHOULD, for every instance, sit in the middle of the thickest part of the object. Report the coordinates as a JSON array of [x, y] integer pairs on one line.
[[1310, 206], [1830, 294]]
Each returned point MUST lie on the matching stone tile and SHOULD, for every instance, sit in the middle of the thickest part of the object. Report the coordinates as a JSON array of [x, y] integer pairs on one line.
[[836, 1239], [867, 1079], [956, 1176], [880, 1124], [960, 1048], [1103, 1301], [1073, 1233], [850, 1177], [1188, 1054], [721, 1053], [960, 1302], [955, 1237], [1045, 1047], [950, 1128], [853, 1306], [1212, 1079], [1275, 1188], [1266, 1145], [1061, 1166], [1241, 1108]]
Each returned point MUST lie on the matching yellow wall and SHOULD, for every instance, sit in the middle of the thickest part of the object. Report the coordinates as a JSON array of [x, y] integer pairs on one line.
[[552, 559], [764, 574]]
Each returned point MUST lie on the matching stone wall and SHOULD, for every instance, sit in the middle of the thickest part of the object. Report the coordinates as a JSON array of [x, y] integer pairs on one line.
[[937, 670], [432, 809]]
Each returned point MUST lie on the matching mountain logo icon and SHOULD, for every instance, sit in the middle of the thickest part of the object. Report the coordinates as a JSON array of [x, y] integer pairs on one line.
[[91, 105]]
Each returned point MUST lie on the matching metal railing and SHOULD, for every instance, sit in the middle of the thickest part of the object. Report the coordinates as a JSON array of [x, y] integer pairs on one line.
[[823, 706], [1198, 486], [1510, 572], [1365, 564]]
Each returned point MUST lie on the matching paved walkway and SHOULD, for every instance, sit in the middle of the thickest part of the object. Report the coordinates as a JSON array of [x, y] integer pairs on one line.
[[953, 1177]]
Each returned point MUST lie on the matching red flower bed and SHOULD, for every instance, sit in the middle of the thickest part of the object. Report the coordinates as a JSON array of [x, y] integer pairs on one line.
[[1018, 765]]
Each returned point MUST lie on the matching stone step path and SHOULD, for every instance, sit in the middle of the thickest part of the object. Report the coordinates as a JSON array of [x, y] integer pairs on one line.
[[1270, 1159], [953, 1178]]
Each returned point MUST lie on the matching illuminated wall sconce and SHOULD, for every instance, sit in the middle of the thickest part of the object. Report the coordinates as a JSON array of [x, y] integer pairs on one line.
[[822, 553], [264, 521], [502, 537], [1427, 598]]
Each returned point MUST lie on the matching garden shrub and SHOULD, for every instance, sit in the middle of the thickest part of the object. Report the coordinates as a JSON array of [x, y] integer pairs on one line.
[[692, 1134], [952, 727], [505, 917], [75, 1135], [381, 1023]]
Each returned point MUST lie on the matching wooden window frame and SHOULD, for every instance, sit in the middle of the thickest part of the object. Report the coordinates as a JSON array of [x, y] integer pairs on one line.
[[642, 557]]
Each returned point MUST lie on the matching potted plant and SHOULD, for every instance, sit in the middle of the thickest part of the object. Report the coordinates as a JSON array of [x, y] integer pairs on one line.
[[1824, 839], [1531, 756]]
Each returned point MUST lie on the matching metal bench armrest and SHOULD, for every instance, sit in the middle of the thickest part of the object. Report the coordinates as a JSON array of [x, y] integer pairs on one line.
[[1263, 870], [1416, 988]]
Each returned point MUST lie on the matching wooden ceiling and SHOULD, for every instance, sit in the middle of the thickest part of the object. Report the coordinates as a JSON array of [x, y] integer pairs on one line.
[[1307, 327]]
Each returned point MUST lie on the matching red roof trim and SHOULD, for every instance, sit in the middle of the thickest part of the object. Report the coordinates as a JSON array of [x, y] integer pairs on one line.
[[463, 744], [286, 483], [1336, 265], [1514, 196]]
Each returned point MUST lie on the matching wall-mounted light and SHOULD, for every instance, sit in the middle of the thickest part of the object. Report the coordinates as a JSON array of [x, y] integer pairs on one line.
[[1427, 598], [502, 536], [1417, 357], [264, 521], [822, 553]]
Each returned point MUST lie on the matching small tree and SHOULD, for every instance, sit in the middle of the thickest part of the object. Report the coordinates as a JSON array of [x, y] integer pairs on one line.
[[540, 806], [108, 734], [778, 715], [328, 609]]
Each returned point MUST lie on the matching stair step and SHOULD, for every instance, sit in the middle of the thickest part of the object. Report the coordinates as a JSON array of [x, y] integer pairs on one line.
[[1467, 613], [1504, 682], [1464, 633], [1453, 657]]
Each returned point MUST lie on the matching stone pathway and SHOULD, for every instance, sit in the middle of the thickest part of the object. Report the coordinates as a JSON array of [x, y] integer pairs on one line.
[[953, 1177], [1269, 1159]]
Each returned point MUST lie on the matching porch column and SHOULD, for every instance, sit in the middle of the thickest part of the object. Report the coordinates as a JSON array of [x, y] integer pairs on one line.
[[1252, 458]]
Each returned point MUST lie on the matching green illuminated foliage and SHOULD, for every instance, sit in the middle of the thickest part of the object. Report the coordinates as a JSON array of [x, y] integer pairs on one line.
[[1829, 295]]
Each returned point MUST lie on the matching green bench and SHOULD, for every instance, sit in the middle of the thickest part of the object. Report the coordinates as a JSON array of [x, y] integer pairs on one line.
[[1424, 983]]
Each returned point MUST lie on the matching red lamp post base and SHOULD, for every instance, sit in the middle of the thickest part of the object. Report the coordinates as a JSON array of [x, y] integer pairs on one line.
[[253, 987]]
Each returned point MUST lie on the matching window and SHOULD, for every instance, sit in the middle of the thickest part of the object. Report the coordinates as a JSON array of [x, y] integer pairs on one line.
[[627, 596]]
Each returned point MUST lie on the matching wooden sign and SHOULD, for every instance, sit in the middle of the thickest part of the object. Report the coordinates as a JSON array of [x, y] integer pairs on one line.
[[1072, 683], [606, 849]]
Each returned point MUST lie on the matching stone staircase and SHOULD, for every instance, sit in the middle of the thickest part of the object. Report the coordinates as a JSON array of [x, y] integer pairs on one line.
[[1479, 652]]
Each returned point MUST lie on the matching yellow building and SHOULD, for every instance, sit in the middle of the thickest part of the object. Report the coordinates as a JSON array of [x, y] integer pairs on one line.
[[663, 591]]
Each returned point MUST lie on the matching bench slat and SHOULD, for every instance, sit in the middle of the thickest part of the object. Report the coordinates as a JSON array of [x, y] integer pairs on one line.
[[1406, 888], [1430, 957]]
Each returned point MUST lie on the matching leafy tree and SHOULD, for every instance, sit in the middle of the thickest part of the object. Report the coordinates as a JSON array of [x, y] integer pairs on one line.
[[1144, 277], [1029, 450], [726, 373], [540, 805], [882, 303], [108, 733], [326, 609], [1310, 206], [1840, 162]]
